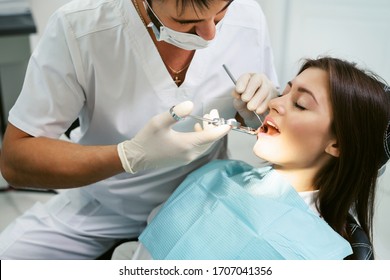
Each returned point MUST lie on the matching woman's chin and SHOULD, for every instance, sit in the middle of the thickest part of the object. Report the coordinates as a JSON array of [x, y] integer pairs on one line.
[[259, 152], [267, 151]]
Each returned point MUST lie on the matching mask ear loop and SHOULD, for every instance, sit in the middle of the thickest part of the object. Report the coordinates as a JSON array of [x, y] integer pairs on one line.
[[152, 15]]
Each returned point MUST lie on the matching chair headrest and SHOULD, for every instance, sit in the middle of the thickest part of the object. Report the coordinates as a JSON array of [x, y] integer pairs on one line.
[[386, 137], [359, 240], [386, 145]]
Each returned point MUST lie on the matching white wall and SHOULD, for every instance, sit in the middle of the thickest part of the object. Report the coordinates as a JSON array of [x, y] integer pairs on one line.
[[41, 10], [352, 29]]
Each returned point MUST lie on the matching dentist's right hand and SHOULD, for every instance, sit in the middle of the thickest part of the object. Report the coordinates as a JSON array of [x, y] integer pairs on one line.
[[157, 145]]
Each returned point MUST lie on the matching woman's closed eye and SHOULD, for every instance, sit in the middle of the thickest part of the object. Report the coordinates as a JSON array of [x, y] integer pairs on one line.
[[300, 107]]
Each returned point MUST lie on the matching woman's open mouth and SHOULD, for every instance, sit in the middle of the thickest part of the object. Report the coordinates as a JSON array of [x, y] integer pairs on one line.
[[269, 127]]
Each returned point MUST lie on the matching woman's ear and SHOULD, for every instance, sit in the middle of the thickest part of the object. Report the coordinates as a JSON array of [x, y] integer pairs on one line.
[[333, 149]]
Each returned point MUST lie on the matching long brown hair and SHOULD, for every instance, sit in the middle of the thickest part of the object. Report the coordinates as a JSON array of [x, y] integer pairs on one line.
[[361, 112]]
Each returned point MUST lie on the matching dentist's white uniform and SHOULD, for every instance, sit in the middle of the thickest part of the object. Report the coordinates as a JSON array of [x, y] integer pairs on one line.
[[97, 61]]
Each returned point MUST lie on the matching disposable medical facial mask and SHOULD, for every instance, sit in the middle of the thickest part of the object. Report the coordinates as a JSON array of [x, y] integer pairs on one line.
[[182, 40]]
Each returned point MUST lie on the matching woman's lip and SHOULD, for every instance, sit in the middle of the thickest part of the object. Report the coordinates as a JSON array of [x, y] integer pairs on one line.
[[267, 120], [262, 133]]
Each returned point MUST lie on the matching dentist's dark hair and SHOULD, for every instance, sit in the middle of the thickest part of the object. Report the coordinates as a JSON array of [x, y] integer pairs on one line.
[[183, 4], [361, 112]]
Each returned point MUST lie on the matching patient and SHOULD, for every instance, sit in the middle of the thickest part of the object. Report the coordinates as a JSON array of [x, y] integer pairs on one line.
[[323, 138]]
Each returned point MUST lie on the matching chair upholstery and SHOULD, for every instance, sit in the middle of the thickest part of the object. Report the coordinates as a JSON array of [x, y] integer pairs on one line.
[[361, 245]]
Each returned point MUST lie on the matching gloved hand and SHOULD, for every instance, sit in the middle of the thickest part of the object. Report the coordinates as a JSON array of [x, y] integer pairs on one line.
[[206, 125], [157, 145], [252, 94]]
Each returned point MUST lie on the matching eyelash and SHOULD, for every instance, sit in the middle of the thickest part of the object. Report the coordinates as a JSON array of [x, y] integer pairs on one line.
[[296, 105], [299, 106]]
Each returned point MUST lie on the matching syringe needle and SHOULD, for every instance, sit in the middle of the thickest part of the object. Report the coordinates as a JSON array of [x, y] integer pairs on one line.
[[203, 119]]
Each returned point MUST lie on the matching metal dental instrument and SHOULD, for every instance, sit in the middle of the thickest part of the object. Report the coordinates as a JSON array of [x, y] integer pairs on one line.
[[217, 121], [238, 127], [232, 122], [234, 82], [229, 73]]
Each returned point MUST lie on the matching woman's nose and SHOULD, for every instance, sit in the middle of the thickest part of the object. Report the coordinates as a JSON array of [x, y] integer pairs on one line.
[[277, 105], [206, 29]]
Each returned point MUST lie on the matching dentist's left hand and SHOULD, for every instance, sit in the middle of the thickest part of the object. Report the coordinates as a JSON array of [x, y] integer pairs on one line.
[[252, 94], [157, 145]]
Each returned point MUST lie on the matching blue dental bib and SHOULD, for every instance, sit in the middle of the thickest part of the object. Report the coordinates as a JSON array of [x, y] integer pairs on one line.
[[230, 210]]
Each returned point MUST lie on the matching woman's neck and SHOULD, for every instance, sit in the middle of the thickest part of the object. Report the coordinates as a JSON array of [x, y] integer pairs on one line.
[[301, 179]]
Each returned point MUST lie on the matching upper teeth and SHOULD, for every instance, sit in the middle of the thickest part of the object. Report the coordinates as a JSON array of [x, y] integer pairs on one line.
[[271, 124]]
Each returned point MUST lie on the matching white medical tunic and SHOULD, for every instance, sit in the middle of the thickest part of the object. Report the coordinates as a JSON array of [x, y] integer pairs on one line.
[[97, 62]]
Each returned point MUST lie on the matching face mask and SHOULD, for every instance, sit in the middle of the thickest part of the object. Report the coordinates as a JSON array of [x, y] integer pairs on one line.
[[182, 40]]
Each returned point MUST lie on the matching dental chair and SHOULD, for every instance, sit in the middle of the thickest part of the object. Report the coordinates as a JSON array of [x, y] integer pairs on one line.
[[360, 243]]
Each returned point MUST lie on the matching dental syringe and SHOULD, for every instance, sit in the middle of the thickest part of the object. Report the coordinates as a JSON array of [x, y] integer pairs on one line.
[[232, 122]]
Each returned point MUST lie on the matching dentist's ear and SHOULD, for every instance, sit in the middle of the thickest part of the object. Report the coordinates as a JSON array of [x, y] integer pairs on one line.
[[333, 149]]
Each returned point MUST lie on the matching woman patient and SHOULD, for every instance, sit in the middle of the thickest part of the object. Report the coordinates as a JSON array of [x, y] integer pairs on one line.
[[323, 138]]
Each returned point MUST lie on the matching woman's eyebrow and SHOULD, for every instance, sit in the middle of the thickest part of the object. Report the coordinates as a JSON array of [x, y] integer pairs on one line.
[[188, 21], [304, 90]]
